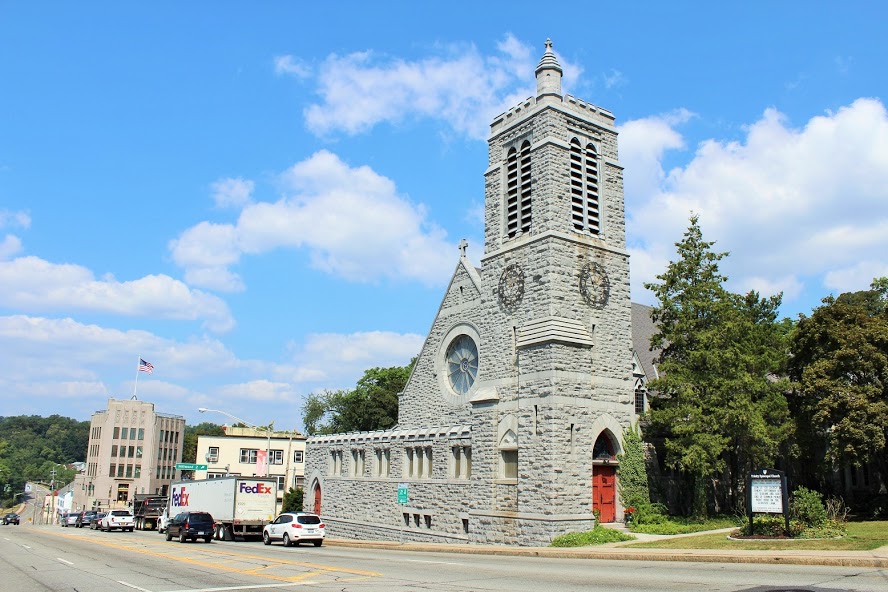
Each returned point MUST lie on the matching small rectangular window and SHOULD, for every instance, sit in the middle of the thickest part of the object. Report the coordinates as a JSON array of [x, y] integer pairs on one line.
[[213, 454], [297, 456], [124, 433], [509, 460], [116, 434], [282, 482]]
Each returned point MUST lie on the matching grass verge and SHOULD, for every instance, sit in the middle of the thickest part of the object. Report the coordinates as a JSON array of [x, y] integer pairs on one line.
[[862, 536]]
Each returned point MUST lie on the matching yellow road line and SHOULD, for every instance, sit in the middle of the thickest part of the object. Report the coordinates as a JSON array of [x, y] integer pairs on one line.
[[315, 568]]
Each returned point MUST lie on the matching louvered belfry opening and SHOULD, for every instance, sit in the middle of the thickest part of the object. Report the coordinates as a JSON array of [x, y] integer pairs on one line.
[[584, 187], [518, 207]]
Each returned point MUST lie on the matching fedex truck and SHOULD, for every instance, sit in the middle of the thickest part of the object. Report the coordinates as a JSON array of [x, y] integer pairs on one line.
[[240, 506]]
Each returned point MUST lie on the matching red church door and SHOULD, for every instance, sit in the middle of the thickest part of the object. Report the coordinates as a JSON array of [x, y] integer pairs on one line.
[[604, 492], [317, 499]]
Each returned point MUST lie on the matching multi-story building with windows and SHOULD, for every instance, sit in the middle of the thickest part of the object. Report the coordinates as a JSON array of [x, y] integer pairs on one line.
[[242, 450], [132, 450]]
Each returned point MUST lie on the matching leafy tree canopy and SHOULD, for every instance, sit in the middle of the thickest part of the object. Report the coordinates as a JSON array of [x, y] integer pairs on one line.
[[839, 370], [189, 449], [371, 405]]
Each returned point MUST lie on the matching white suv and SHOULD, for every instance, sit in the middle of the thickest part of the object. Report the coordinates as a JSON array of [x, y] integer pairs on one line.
[[122, 519], [292, 528]]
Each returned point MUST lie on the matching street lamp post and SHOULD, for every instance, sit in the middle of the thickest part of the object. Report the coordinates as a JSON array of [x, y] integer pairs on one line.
[[267, 429]]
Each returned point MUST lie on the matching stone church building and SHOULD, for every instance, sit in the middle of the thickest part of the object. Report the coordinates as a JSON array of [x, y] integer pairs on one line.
[[511, 421]]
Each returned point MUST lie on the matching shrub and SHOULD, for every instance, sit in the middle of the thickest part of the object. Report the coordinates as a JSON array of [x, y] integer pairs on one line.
[[597, 536], [807, 507]]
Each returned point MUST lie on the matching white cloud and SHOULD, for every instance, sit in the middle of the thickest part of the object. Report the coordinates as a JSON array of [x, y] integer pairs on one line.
[[14, 219], [788, 203], [10, 246], [352, 221], [258, 390], [32, 285], [287, 64], [232, 192], [337, 360], [855, 277], [462, 88]]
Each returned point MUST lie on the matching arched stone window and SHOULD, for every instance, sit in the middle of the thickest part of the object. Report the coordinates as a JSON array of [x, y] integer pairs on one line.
[[604, 448], [518, 182], [507, 444], [585, 211]]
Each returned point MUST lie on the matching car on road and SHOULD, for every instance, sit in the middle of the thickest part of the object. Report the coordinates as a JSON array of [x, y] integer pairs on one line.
[[11, 518], [163, 521], [96, 522], [118, 519], [191, 526], [84, 518], [69, 519], [292, 528]]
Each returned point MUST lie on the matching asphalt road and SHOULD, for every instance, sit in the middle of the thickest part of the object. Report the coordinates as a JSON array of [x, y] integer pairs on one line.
[[38, 558]]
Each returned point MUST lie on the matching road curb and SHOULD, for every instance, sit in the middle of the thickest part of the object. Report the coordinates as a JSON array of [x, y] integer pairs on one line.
[[834, 559]]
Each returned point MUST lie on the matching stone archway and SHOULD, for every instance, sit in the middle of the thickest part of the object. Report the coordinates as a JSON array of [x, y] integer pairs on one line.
[[316, 502], [604, 477]]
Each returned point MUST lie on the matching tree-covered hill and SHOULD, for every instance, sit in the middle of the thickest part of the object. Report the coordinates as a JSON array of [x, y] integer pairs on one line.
[[31, 446]]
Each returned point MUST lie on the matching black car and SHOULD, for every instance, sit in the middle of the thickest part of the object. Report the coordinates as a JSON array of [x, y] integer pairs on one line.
[[191, 525], [96, 522], [11, 518], [84, 518]]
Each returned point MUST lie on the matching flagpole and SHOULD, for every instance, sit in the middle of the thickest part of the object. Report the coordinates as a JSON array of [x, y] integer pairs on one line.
[[135, 386]]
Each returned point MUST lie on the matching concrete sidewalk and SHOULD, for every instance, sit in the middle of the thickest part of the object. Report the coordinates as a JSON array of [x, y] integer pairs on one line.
[[620, 551]]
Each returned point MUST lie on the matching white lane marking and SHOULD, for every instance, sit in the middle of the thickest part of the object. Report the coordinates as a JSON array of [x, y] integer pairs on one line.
[[253, 587], [64, 561], [26, 546], [438, 562], [133, 586]]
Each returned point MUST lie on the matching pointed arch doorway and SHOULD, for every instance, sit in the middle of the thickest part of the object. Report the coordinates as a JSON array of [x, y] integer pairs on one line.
[[317, 499], [604, 478]]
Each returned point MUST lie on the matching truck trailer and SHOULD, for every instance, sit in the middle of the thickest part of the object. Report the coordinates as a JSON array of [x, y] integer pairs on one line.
[[147, 509], [240, 506]]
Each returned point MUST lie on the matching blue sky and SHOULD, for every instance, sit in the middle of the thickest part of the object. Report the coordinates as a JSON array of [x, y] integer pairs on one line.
[[265, 199]]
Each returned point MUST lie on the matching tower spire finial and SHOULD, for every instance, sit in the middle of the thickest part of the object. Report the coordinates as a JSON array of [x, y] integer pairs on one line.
[[548, 73]]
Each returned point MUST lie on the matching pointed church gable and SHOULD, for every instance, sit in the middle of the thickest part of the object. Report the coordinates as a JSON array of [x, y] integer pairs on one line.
[[431, 396]]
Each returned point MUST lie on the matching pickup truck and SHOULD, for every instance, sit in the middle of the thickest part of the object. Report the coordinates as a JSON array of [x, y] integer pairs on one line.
[[118, 519]]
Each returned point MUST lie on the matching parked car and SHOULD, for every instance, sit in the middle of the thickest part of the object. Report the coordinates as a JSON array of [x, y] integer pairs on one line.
[[163, 521], [96, 522], [191, 525], [120, 519], [69, 519], [11, 518], [83, 518], [293, 528]]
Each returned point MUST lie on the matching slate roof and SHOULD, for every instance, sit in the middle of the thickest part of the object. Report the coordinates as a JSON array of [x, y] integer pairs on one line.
[[642, 330]]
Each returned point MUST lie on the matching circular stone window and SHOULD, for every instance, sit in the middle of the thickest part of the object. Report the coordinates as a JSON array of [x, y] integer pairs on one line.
[[461, 362]]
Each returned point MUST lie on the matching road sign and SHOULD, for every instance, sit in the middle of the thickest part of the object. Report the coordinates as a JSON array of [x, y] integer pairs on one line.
[[190, 467], [402, 493]]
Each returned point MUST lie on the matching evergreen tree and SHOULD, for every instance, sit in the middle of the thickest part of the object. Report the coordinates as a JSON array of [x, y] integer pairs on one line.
[[720, 410]]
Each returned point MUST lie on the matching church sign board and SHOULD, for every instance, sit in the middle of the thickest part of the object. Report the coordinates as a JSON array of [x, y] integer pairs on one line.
[[766, 493]]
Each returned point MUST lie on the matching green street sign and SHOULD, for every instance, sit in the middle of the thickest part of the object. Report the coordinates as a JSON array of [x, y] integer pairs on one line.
[[402, 493], [190, 467]]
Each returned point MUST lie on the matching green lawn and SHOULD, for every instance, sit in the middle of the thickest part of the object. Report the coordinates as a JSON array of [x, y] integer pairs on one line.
[[862, 536]]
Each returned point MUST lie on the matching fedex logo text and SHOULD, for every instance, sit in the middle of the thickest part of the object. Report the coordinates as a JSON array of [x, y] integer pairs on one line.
[[180, 498], [257, 488]]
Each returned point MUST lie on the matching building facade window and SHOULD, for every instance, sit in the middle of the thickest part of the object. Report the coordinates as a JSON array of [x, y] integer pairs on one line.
[[124, 433], [298, 456], [248, 456], [509, 464], [281, 482], [518, 184], [460, 462], [418, 462], [277, 457], [639, 401], [116, 434], [215, 475], [213, 454], [383, 462], [357, 465], [335, 463], [584, 187]]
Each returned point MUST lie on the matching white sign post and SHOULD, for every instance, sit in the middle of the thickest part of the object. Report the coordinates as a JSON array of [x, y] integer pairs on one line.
[[766, 493]]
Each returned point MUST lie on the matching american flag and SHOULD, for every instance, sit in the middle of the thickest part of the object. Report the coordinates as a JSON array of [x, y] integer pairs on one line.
[[145, 366]]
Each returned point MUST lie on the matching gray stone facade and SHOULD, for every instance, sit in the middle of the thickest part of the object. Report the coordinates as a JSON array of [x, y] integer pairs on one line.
[[527, 370]]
